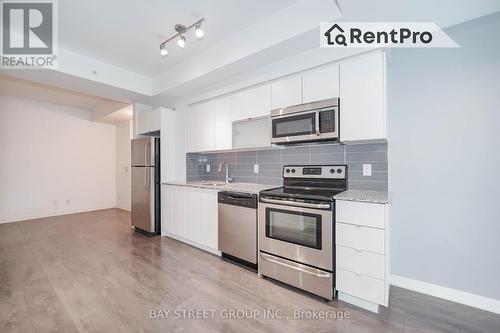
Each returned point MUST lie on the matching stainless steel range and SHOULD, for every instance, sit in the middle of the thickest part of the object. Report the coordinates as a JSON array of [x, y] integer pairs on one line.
[[297, 228]]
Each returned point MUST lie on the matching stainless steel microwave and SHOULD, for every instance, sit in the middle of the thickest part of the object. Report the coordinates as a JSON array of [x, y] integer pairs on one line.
[[315, 121]]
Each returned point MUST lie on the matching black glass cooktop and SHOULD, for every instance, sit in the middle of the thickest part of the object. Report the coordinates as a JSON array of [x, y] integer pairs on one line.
[[303, 193]]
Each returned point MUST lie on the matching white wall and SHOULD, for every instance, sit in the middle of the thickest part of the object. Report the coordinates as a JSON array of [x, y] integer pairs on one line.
[[123, 180], [50, 154], [444, 160]]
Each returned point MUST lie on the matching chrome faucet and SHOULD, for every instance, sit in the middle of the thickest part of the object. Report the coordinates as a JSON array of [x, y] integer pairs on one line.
[[227, 171]]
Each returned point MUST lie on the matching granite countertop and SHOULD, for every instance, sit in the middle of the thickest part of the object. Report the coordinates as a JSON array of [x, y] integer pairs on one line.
[[380, 197], [237, 187]]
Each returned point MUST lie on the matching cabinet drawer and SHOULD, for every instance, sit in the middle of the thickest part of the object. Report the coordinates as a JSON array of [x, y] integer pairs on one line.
[[366, 263], [360, 238], [361, 213], [360, 285]]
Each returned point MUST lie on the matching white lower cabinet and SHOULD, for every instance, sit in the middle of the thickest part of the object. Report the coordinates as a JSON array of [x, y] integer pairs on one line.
[[360, 238], [362, 253], [361, 262], [360, 285], [190, 215]]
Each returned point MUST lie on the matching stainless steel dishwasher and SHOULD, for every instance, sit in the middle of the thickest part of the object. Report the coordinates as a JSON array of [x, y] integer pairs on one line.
[[238, 227]]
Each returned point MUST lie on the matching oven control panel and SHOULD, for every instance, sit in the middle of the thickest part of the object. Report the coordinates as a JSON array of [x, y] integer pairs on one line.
[[315, 171]]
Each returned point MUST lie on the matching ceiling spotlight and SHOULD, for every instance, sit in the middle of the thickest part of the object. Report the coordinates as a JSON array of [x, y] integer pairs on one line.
[[163, 51], [199, 33], [181, 42]]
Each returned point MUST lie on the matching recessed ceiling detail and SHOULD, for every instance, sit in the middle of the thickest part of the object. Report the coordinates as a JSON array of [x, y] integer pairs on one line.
[[180, 35]]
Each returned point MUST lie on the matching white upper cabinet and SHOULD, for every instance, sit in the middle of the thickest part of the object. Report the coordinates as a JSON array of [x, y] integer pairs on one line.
[[141, 122], [154, 120], [148, 121], [222, 123], [359, 82], [320, 83], [252, 133], [362, 98], [251, 103], [209, 126], [286, 92], [200, 127]]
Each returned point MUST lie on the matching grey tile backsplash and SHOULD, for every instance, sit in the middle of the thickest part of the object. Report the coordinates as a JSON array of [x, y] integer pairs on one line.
[[271, 162]]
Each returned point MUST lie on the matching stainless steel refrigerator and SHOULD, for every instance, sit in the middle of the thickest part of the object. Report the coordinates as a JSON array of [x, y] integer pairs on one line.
[[145, 159]]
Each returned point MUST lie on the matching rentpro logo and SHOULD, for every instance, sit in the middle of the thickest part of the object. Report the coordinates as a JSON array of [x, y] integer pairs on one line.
[[383, 34]]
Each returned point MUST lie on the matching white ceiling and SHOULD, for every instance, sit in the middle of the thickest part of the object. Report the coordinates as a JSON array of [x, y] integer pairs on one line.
[[128, 33], [118, 116], [110, 48], [44, 93], [104, 110]]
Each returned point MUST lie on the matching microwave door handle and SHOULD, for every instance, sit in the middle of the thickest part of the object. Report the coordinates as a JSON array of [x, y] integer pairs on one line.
[[317, 124]]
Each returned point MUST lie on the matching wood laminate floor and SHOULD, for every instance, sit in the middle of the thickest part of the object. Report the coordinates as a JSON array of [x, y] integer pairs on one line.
[[91, 272]]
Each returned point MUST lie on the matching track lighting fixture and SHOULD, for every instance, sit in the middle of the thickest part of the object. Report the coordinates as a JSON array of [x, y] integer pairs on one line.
[[181, 42], [163, 50], [198, 32], [181, 31]]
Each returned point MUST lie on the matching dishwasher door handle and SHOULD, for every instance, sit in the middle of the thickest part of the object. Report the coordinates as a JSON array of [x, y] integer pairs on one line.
[[240, 196]]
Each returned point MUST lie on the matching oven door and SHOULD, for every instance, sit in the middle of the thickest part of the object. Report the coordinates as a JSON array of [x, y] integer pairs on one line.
[[300, 234], [301, 126]]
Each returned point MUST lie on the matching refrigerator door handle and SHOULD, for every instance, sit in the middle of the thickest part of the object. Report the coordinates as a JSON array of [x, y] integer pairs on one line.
[[148, 176], [146, 179], [148, 154]]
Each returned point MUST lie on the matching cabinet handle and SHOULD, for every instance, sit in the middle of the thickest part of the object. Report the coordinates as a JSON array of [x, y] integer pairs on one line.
[[319, 275]]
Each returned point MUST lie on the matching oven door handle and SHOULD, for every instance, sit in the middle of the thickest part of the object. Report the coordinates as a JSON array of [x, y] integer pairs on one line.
[[300, 269], [296, 204]]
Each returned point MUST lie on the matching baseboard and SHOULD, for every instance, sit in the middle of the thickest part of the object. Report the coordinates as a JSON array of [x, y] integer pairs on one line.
[[51, 214], [190, 242], [458, 296], [127, 208]]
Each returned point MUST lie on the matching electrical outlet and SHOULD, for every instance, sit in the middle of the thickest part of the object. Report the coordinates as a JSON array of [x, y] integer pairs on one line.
[[68, 201], [208, 167], [367, 169], [255, 168], [54, 202]]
